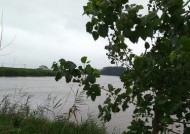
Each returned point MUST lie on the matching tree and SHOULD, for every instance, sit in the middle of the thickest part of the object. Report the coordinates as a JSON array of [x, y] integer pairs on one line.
[[114, 71], [158, 81]]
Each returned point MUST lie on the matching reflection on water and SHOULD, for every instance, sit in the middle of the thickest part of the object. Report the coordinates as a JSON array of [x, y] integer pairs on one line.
[[41, 87]]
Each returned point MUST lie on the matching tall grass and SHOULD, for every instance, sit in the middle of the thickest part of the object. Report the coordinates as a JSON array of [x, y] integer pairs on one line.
[[17, 117]]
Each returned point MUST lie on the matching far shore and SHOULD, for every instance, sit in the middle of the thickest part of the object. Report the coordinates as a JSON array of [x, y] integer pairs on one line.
[[25, 72]]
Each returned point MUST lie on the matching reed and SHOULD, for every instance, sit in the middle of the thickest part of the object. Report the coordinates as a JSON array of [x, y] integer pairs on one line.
[[17, 117]]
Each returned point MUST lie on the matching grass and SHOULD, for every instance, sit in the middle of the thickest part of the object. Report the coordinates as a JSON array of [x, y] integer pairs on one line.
[[14, 124], [16, 117]]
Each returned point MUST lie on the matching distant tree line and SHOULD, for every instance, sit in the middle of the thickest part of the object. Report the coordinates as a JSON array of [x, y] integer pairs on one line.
[[6, 71], [113, 71]]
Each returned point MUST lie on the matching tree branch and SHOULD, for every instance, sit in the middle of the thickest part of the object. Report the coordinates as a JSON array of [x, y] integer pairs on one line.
[[186, 3], [1, 36], [7, 53], [9, 43], [173, 132]]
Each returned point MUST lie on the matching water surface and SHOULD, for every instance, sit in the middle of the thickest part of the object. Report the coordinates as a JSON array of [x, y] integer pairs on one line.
[[41, 87]]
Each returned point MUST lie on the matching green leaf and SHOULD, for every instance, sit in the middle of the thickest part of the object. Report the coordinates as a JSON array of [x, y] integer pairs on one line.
[[161, 102], [110, 87], [88, 69], [62, 62], [139, 7], [107, 117], [187, 130], [185, 41], [89, 27], [86, 87], [148, 97], [166, 120], [68, 77], [70, 65], [117, 91], [96, 73], [58, 76], [141, 110], [138, 61], [80, 68], [175, 40], [100, 108], [95, 35], [76, 80], [128, 91], [103, 30], [107, 101], [147, 46], [124, 132], [187, 116], [76, 73], [55, 66], [149, 31], [91, 79], [133, 37], [172, 57], [125, 105], [93, 97], [84, 59], [115, 108], [122, 45], [96, 89], [104, 5]]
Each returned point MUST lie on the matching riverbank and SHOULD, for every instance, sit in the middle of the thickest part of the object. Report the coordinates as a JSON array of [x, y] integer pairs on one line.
[[15, 72]]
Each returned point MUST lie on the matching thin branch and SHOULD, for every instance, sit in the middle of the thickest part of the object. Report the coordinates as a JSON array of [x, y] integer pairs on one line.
[[186, 3], [182, 122], [131, 63], [1, 36], [173, 132], [7, 53], [111, 93], [9, 43]]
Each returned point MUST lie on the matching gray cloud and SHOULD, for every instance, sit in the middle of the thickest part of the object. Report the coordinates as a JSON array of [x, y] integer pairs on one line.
[[47, 30]]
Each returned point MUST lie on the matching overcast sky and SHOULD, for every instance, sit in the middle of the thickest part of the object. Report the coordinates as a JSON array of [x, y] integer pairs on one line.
[[47, 30]]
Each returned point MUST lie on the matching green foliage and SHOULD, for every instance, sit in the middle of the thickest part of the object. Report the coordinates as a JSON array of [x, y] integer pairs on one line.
[[6, 71], [157, 81], [44, 126], [85, 75], [138, 127]]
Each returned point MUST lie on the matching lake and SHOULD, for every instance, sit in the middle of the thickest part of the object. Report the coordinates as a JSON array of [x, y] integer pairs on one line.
[[42, 87]]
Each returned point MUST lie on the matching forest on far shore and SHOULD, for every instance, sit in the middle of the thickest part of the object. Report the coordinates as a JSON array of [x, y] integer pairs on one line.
[[7, 71], [25, 72], [113, 71]]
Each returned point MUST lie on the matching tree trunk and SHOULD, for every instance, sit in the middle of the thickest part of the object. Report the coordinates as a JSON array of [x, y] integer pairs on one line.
[[156, 122]]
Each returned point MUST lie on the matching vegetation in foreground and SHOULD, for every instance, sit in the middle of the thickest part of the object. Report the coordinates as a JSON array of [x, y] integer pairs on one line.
[[17, 118], [7, 71]]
